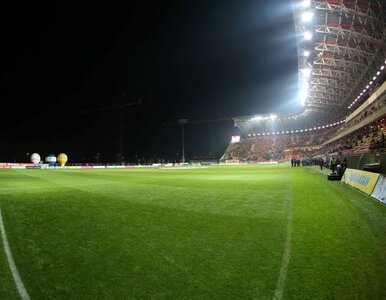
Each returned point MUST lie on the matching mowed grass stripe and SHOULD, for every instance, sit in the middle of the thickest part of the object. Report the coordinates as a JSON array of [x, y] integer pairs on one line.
[[155, 250], [333, 254], [157, 234], [278, 295], [211, 198]]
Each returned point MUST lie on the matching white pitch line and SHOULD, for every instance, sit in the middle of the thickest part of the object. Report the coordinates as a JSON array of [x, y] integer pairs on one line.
[[285, 260], [15, 273]]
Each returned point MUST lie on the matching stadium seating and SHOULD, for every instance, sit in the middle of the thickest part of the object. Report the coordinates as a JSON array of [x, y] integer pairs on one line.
[[367, 139]]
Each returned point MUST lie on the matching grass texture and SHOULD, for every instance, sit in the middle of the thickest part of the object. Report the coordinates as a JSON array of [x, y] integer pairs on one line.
[[237, 232]]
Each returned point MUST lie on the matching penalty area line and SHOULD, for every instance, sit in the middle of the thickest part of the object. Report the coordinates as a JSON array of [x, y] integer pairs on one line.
[[15, 273]]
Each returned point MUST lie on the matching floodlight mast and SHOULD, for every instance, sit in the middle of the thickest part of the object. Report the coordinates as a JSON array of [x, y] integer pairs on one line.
[[182, 122]]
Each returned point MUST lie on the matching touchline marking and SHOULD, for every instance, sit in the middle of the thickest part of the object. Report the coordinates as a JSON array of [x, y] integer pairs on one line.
[[15, 273], [285, 260]]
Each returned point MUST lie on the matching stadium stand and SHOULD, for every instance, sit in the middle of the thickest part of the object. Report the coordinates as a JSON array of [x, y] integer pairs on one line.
[[341, 84], [363, 133]]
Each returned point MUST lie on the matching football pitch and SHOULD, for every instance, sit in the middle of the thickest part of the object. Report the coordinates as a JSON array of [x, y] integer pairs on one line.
[[222, 232]]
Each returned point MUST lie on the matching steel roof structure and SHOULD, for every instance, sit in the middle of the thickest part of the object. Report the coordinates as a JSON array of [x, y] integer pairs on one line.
[[341, 45]]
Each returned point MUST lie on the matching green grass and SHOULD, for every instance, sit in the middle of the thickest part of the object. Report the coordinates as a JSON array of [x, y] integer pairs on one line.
[[193, 234]]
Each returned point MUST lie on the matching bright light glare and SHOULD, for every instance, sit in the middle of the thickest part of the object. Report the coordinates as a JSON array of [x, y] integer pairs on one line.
[[306, 72], [306, 53], [307, 35], [382, 67], [273, 117], [303, 94], [306, 3], [256, 118], [307, 16]]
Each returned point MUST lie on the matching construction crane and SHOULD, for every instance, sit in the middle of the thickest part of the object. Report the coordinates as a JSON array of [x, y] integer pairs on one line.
[[121, 108]]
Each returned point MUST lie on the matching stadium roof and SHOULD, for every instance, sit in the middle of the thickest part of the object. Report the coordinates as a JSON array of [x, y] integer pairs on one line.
[[341, 48]]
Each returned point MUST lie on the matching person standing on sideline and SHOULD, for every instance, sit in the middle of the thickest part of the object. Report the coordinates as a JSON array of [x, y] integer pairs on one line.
[[333, 164], [321, 163]]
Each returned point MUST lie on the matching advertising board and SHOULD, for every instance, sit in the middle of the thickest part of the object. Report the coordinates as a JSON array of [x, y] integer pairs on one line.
[[361, 180], [379, 191]]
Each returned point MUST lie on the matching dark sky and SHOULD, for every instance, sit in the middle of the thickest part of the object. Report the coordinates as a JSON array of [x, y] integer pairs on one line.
[[201, 60]]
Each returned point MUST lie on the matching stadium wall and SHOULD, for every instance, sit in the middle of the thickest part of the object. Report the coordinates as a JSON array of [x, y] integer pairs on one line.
[[378, 161]]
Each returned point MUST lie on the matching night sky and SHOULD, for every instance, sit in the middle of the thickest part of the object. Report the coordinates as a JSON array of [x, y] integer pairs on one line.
[[200, 60]]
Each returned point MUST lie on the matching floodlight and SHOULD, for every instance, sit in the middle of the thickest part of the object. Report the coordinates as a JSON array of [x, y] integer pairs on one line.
[[307, 35], [364, 90], [375, 77], [273, 117], [306, 53], [306, 3], [370, 83], [303, 94], [306, 72], [382, 67], [257, 118], [307, 16], [379, 72]]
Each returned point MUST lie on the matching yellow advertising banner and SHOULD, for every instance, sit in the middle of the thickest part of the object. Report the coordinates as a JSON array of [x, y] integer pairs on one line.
[[361, 180]]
